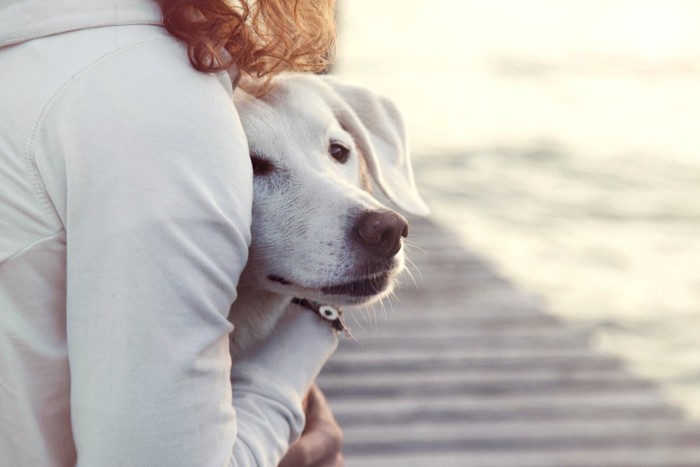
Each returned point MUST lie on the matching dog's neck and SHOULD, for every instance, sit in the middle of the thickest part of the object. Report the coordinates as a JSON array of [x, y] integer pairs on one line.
[[254, 314]]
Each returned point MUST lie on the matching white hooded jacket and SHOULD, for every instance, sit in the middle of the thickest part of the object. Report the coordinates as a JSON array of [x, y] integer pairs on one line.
[[125, 198]]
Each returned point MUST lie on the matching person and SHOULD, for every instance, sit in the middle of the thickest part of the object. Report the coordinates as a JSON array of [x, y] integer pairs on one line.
[[125, 204]]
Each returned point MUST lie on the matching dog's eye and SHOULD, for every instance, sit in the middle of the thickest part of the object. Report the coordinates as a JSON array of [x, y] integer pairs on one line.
[[261, 166], [339, 152]]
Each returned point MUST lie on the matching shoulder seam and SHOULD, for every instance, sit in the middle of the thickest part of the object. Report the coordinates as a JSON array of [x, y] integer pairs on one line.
[[29, 157]]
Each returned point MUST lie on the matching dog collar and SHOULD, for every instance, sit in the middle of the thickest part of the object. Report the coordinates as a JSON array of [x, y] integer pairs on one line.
[[332, 314]]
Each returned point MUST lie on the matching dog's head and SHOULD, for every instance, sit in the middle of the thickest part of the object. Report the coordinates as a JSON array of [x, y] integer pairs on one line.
[[317, 231]]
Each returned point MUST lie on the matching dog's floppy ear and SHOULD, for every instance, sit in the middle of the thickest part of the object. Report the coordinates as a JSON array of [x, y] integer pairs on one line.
[[379, 132]]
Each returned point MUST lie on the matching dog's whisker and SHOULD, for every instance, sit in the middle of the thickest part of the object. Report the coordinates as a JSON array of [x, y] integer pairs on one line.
[[377, 317], [349, 334], [354, 313], [370, 319], [362, 313], [379, 313], [413, 279], [410, 264], [387, 307], [410, 249], [413, 245], [373, 321]]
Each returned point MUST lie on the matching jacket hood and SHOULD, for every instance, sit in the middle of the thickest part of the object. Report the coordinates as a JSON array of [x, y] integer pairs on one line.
[[23, 20]]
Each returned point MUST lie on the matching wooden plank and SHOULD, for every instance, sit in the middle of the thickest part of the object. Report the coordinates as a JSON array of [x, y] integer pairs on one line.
[[377, 406], [522, 434], [611, 457]]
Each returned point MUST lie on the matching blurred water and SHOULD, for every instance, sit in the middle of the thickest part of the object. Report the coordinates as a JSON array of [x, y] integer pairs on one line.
[[561, 140]]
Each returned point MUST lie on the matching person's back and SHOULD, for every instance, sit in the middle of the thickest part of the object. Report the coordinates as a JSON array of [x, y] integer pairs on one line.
[[124, 223]]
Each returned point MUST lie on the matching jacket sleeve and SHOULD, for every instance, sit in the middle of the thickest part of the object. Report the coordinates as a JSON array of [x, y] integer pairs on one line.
[[147, 166], [265, 426]]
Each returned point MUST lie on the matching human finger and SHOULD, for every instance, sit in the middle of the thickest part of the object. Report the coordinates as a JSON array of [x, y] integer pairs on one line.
[[322, 440]]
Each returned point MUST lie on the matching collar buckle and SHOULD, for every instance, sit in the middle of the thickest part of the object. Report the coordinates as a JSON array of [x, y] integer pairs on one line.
[[330, 313]]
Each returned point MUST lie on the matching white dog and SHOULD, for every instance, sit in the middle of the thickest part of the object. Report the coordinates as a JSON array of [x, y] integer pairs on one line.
[[317, 233]]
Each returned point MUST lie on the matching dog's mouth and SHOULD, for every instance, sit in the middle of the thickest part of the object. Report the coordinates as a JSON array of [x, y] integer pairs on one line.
[[364, 287]]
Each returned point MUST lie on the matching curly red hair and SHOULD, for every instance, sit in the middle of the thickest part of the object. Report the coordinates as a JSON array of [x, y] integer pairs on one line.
[[260, 37]]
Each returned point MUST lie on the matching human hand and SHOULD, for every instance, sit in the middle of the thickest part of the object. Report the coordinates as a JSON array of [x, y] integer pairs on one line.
[[321, 443]]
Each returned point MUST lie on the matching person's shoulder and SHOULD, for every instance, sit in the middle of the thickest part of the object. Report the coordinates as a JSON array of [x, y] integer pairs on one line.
[[140, 114], [144, 101], [145, 82], [150, 65], [140, 70]]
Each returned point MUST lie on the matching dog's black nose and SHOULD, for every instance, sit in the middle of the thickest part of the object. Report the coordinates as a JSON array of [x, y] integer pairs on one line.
[[381, 232]]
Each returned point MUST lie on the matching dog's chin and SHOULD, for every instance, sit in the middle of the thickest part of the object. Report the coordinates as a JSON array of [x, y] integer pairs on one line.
[[354, 292], [363, 290]]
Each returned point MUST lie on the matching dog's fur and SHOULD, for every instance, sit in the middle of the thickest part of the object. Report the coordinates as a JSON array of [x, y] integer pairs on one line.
[[307, 204]]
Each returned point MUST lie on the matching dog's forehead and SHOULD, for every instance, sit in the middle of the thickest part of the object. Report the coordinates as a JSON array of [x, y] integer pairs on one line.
[[297, 100], [292, 114]]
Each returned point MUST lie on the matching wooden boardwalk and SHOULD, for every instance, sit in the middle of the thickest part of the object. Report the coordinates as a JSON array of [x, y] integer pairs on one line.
[[468, 371]]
